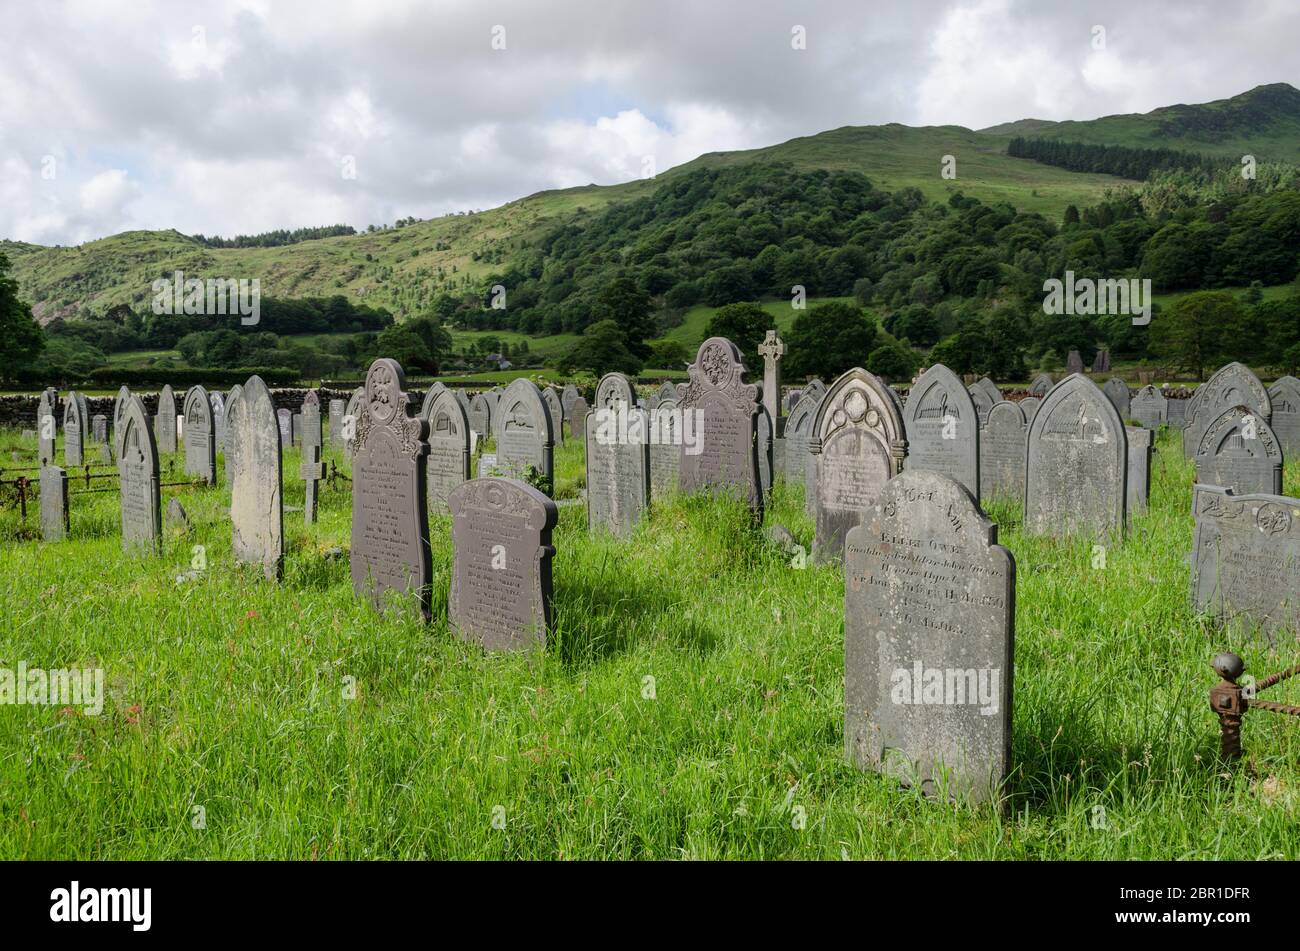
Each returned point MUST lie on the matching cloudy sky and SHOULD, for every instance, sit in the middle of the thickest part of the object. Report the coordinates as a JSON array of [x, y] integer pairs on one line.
[[239, 116]]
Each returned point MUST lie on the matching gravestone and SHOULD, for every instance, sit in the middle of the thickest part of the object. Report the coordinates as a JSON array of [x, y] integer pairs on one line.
[[798, 425], [217, 404], [618, 459], [1149, 407], [791, 400], [1239, 451], [1077, 464], [982, 403], [552, 399], [988, 386], [1231, 385], [943, 431], [772, 349], [666, 436], [350, 420], [480, 415], [295, 428], [524, 436], [177, 519], [1002, 453], [1116, 391], [390, 517], [1246, 561], [501, 563], [1101, 362], [76, 418], [235, 391], [119, 411], [284, 419], [578, 421], [666, 391], [99, 428], [725, 411], [311, 470], [1140, 448], [256, 480], [1073, 363], [106, 453], [929, 631], [137, 472], [1284, 395], [462, 398], [493, 397], [857, 445], [766, 443], [1042, 384], [449, 447], [54, 503], [165, 421], [47, 428], [1177, 412], [337, 408], [200, 437], [1030, 406], [568, 396]]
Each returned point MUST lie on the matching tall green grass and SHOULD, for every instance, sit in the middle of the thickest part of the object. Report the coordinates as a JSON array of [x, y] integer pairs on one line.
[[689, 704]]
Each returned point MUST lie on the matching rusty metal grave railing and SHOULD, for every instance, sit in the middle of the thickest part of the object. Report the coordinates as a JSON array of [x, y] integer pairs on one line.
[[1231, 700]]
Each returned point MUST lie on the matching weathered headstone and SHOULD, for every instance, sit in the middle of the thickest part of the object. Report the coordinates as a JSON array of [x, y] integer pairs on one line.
[[725, 411], [480, 415], [501, 563], [430, 395], [524, 436], [791, 400], [449, 446], [295, 428], [578, 421], [1231, 385], [137, 471], [176, 518], [1002, 453], [99, 428], [1030, 406], [568, 396], [929, 631], [1140, 448], [284, 419], [256, 480], [857, 445], [1284, 395], [200, 438], [798, 426], [351, 418], [1246, 561], [943, 431], [1042, 384], [766, 449], [165, 421], [618, 459], [390, 516], [235, 391], [119, 412], [1077, 464], [1177, 411], [1239, 451], [76, 418], [982, 402], [337, 408], [493, 397], [54, 503], [666, 391], [1116, 391], [552, 400], [772, 349], [217, 404], [1073, 363], [1149, 407], [665, 446], [311, 470], [47, 429]]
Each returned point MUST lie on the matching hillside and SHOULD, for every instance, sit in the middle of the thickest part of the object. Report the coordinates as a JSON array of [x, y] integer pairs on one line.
[[1264, 122]]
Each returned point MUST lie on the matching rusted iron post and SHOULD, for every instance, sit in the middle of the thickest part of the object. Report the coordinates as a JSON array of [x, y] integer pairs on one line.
[[1228, 701], [22, 482]]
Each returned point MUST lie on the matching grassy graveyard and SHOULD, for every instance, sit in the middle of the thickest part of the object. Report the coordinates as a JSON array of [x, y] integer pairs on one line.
[[689, 704]]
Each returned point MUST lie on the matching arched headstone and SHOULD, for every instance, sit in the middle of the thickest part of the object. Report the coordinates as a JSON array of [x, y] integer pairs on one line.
[[1239, 451], [618, 459], [1030, 406], [943, 431], [1002, 453], [1149, 407], [1231, 385], [449, 447], [1042, 384], [665, 446], [725, 414], [256, 481], [554, 407], [524, 436], [1284, 396], [200, 437], [1117, 391], [165, 421], [137, 470], [75, 419]]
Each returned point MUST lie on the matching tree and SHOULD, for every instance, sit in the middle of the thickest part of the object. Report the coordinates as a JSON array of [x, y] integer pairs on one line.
[[22, 336], [744, 324], [602, 349], [828, 339], [894, 362], [628, 306], [1198, 330]]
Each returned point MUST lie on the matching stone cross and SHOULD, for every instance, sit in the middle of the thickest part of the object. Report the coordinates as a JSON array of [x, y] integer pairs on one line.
[[772, 349]]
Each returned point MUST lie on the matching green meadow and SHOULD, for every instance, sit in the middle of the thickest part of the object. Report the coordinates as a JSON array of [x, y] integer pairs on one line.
[[688, 705]]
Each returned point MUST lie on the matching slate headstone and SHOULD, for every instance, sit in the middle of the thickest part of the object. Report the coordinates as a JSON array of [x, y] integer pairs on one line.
[[99, 428], [1149, 407], [1073, 363], [501, 563], [857, 445], [165, 421], [556, 410], [766, 449], [256, 480], [119, 411], [798, 426], [1246, 561], [1030, 406], [284, 419], [137, 471], [217, 403], [200, 436], [1284, 395], [235, 390], [1116, 391], [54, 503], [1239, 451], [618, 459], [480, 415], [76, 419], [449, 447], [337, 408], [1231, 385], [1140, 448], [1177, 412], [47, 429], [929, 631], [1042, 384], [578, 421], [725, 414], [351, 418], [1077, 464], [311, 470], [568, 396], [390, 517], [524, 436], [983, 404], [666, 435], [943, 431], [1002, 453]]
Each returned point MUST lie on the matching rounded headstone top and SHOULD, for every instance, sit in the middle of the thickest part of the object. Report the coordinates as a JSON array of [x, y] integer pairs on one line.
[[384, 384]]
